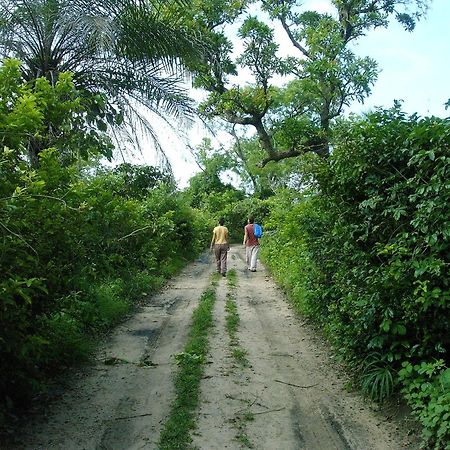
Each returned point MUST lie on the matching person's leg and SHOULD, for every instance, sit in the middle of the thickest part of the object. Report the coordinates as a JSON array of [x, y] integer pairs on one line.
[[223, 260], [248, 256], [254, 257], [217, 255]]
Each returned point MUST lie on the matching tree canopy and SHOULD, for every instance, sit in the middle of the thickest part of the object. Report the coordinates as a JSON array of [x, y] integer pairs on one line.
[[322, 73]]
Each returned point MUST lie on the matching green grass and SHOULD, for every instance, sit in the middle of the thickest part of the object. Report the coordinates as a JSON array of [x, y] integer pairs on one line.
[[176, 431], [240, 355], [232, 278], [232, 318], [232, 321]]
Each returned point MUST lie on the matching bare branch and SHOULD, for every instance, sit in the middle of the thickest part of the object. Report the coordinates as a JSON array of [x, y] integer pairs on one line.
[[19, 237], [295, 43]]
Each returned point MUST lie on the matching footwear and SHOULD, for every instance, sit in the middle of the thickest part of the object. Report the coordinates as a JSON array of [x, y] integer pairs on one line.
[[224, 274], [252, 270]]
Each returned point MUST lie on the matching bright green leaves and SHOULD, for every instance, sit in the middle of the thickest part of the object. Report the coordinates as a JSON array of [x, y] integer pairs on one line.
[[20, 115], [214, 13], [75, 249], [426, 387], [365, 253], [242, 104], [38, 115], [321, 64], [260, 51]]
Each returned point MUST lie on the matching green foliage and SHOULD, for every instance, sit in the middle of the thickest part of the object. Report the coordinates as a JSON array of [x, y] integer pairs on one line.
[[76, 250], [426, 387], [38, 115], [377, 379], [322, 73], [181, 420], [365, 250], [134, 55]]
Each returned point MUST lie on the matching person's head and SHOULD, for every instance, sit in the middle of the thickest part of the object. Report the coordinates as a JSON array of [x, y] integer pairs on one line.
[[251, 219], [221, 221]]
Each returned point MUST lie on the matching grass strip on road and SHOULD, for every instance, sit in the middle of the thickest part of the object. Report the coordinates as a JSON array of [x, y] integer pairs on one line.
[[176, 431], [232, 321]]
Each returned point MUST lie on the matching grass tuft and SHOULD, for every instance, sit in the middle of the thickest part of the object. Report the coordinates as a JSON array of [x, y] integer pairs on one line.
[[176, 431]]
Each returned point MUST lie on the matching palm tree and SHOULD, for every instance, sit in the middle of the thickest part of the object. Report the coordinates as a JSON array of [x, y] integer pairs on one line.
[[132, 53]]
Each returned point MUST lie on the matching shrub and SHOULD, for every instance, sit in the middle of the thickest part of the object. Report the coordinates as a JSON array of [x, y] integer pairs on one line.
[[366, 252]]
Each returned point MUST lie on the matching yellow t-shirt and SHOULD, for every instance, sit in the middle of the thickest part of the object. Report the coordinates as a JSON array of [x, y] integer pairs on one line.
[[220, 235]]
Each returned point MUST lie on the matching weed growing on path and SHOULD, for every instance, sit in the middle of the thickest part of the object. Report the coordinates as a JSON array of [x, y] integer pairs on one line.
[[232, 321], [175, 432]]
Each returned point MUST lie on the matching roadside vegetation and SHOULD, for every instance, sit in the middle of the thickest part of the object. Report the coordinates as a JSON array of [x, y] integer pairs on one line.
[[364, 252], [80, 243]]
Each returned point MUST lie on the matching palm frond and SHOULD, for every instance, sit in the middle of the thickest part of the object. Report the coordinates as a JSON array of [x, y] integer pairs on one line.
[[133, 51]]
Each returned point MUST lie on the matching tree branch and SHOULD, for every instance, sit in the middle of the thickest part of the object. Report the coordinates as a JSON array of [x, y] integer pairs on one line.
[[280, 156], [320, 148], [135, 232], [264, 137], [292, 38], [19, 237]]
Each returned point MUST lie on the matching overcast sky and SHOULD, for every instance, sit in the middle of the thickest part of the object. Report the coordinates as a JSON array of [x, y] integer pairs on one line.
[[415, 68]]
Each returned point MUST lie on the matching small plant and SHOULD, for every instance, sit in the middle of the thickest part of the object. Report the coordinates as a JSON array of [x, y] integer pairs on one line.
[[240, 355], [377, 381], [189, 358], [426, 388]]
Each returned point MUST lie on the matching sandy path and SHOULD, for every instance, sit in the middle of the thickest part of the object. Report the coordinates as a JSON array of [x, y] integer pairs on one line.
[[122, 406], [290, 397]]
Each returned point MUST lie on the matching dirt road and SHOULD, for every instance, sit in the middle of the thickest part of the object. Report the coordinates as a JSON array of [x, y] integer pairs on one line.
[[289, 396]]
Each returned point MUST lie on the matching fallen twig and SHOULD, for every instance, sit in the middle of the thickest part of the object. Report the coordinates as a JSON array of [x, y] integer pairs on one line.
[[246, 409], [132, 417], [270, 410], [296, 385]]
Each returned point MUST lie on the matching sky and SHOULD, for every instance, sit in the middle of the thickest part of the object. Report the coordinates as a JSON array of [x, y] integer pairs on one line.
[[415, 68]]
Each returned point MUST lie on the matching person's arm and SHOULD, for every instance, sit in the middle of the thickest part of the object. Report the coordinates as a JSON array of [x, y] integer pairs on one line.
[[245, 236], [228, 238]]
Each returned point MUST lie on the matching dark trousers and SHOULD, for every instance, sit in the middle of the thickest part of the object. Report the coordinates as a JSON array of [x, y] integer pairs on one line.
[[220, 252]]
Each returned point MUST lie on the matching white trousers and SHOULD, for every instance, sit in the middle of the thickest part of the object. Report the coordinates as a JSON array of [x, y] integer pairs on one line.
[[251, 255]]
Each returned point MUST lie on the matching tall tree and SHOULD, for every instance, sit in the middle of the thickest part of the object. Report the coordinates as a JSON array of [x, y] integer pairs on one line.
[[323, 75], [129, 57]]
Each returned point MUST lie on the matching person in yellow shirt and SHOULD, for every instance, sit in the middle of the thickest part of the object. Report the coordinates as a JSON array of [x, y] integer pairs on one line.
[[220, 243]]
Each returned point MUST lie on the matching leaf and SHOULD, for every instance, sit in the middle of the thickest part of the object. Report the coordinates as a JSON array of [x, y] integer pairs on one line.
[[102, 126]]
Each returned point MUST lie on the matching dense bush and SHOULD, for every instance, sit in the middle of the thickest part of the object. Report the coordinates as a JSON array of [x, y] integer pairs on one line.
[[372, 249], [74, 253], [77, 246], [221, 200]]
